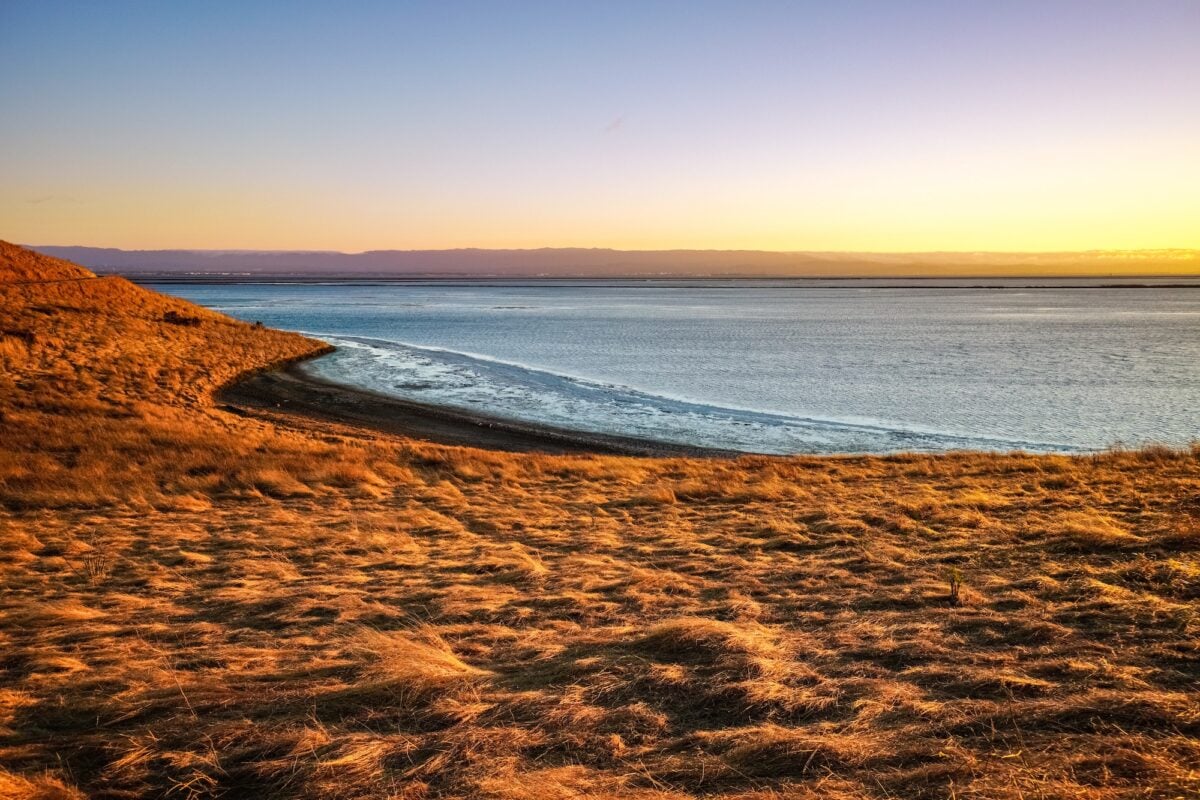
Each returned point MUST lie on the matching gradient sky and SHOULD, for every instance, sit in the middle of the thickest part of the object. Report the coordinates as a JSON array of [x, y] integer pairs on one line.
[[886, 126]]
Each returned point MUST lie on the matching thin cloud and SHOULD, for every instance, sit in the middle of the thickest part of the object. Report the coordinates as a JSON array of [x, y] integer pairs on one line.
[[53, 198]]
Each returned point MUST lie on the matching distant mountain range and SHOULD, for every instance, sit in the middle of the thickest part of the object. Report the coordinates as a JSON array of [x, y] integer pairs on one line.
[[595, 263]]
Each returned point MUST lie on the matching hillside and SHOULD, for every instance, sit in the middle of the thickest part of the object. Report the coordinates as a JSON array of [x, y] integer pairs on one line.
[[202, 604], [18, 265], [68, 336]]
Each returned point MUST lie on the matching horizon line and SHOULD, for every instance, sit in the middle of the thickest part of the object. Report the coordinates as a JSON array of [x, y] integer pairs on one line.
[[976, 251]]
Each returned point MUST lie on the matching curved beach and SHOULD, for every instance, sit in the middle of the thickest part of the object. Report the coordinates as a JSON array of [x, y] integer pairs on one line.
[[293, 390]]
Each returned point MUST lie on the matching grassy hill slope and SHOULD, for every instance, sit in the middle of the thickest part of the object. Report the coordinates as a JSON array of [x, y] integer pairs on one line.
[[19, 265], [198, 604]]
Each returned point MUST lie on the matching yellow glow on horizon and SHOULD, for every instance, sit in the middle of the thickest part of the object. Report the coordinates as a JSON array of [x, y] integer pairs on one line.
[[1002, 206], [167, 226]]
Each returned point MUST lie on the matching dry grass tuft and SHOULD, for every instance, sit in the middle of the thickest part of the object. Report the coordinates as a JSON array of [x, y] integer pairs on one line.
[[413, 660], [1089, 530], [746, 649], [36, 787]]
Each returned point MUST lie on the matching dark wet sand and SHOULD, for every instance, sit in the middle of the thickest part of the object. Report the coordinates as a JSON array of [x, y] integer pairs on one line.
[[292, 390]]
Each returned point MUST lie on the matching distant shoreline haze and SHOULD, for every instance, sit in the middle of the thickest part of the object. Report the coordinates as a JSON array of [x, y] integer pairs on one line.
[[607, 263]]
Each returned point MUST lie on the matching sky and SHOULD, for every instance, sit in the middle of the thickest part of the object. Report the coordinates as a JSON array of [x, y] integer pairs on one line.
[[859, 126]]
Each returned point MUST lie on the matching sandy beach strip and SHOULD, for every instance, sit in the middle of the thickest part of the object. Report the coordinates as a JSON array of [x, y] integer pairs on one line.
[[293, 390]]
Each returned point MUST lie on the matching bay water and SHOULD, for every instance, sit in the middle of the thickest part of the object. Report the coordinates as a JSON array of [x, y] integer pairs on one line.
[[806, 366]]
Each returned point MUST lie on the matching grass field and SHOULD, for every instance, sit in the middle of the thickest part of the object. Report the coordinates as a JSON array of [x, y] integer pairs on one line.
[[201, 604]]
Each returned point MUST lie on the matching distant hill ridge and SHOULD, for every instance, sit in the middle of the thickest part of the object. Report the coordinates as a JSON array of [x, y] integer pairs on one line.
[[598, 262]]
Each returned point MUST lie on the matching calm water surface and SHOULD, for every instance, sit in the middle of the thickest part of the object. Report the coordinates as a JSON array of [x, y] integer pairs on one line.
[[774, 367]]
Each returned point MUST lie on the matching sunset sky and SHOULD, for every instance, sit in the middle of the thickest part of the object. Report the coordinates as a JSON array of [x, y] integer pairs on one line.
[[884, 126]]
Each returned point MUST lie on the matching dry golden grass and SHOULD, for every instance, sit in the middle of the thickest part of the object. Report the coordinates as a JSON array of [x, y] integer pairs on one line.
[[198, 604]]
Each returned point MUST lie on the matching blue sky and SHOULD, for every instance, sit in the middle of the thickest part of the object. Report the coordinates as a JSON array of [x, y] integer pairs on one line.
[[858, 125]]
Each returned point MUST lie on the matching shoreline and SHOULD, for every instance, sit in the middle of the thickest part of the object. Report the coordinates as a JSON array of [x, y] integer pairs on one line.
[[291, 390]]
